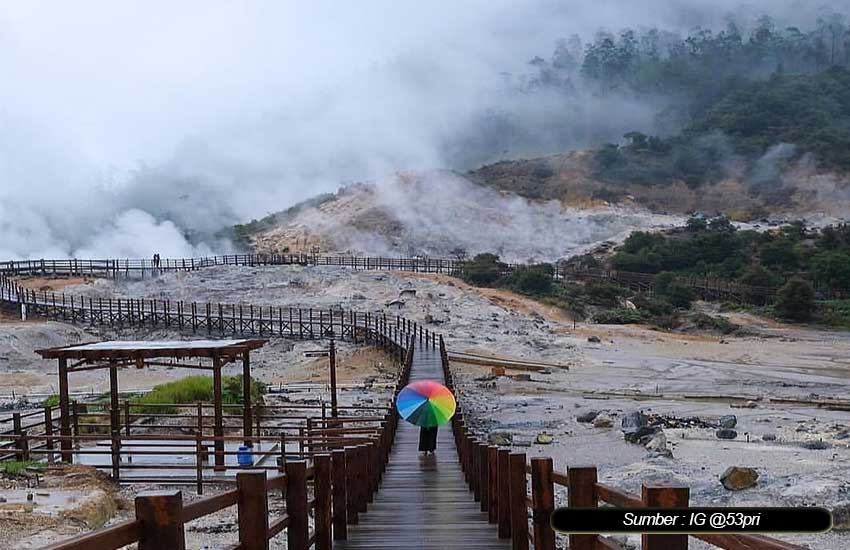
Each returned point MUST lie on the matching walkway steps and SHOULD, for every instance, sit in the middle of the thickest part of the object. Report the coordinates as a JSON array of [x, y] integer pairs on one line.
[[423, 502]]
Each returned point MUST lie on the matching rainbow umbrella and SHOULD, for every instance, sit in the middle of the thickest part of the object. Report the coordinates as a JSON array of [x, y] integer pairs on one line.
[[426, 403]]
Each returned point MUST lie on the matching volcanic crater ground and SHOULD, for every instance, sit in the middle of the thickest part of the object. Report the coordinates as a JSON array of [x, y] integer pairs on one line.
[[799, 450]]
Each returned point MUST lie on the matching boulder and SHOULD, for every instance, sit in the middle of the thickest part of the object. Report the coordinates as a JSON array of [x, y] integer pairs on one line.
[[588, 416], [737, 478], [594, 339], [543, 439], [768, 437], [500, 438], [728, 421], [635, 426], [602, 422], [657, 445], [725, 433]]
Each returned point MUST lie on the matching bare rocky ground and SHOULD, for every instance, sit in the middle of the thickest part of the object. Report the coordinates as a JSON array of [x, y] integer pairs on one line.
[[800, 451]]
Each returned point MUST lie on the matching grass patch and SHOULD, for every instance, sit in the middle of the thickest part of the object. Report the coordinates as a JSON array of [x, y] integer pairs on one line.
[[194, 389], [17, 467]]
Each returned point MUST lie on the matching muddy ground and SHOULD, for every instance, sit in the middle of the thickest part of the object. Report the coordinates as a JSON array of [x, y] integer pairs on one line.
[[799, 450]]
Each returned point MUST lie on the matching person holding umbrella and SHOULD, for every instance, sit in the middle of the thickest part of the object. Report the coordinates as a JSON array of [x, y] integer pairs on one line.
[[427, 439], [427, 404]]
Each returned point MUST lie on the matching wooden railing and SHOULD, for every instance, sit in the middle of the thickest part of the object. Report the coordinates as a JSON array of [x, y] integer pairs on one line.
[[343, 480], [707, 287], [499, 480]]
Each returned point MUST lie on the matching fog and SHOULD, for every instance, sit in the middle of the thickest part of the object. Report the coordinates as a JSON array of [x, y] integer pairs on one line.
[[130, 128]]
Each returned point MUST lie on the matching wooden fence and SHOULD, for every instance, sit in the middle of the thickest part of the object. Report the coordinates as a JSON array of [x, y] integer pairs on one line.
[[342, 478], [499, 480], [706, 287]]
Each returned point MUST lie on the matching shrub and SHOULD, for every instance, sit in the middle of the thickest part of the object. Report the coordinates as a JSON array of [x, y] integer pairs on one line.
[[795, 301], [621, 316], [193, 389], [603, 294], [51, 401], [532, 279], [482, 270], [667, 287]]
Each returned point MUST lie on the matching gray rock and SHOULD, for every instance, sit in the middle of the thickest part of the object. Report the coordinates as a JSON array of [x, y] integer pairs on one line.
[[500, 438], [725, 433], [657, 445], [736, 478], [588, 416], [844, 434], [728, 421], [769, 437], [602, 422], [594, 339], [640, 436]]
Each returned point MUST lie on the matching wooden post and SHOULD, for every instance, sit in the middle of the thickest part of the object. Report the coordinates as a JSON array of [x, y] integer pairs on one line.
[[484, 475], [127, 417], [504, 498], [199, 463], [474, 474], [218, 426], [340, 497], [492, 482], [253, 507], [332, 358], [298, 533], [322, 492], [114, 421], [65, 443], [664, 496], [542, 502], [519, 498], [246, 398], [351, 485], [362, 477], [161, 514], [48, 433], [581, 493], [17, 431]]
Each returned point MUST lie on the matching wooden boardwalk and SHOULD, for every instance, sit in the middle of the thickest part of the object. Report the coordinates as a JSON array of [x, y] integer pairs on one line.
[[423, 502]]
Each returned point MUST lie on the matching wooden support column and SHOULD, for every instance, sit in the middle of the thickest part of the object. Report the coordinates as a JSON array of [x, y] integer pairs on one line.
[[65, 412], [298, 533], [484, 475], [114, 421], [322, 494], [161, 514], [664, 496], [247, 407], [542, 502], [351, 474], [253, 507], [493, 475], [332, 358], [218, 426], [48, 433], [519, 498], [504, 498], [340, 497], [581, 493]]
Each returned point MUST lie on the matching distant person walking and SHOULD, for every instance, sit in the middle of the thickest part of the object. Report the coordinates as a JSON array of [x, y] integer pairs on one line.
[[428, 439], [156, 261]]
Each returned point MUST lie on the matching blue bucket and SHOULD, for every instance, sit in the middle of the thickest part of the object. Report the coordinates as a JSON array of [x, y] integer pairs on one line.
[[244, 456]]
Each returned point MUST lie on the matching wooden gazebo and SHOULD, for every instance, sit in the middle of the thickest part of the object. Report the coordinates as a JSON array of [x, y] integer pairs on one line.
[[210, 355]]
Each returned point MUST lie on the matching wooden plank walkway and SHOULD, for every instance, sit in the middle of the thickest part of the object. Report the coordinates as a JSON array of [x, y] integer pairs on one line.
[[423, 502]]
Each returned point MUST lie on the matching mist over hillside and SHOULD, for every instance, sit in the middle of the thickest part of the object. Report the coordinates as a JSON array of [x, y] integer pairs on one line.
[[138, 128]]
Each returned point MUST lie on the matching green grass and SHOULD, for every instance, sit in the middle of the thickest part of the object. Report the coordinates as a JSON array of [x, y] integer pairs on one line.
[[17, 467], [193, 389], [834, 313]]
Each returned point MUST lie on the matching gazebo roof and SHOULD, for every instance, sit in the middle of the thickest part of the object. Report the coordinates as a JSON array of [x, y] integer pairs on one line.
[[147, 349]]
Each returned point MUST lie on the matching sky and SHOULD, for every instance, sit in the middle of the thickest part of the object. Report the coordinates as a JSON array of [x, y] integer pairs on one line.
[[130, 128]]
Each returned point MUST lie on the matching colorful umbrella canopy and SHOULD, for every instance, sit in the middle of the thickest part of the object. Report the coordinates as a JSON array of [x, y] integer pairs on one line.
[[426, 403]]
